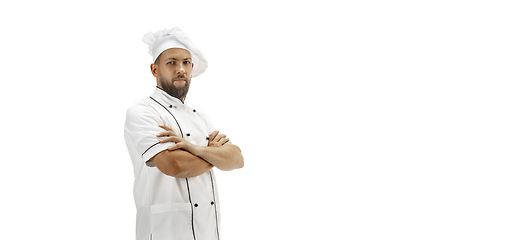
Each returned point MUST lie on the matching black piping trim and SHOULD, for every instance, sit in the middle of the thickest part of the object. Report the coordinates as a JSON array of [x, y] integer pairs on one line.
[[191, 205], [171, 115], [187, 185], [149, 148], [215, 203]]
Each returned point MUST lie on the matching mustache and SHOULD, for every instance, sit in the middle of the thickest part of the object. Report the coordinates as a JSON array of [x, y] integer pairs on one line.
[[179, 76]]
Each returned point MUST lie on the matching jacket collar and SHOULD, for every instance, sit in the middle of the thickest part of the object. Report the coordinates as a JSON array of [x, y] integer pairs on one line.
[[167, 99]]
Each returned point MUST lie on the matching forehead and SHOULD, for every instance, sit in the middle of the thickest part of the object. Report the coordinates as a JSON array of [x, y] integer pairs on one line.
[[178, 53]]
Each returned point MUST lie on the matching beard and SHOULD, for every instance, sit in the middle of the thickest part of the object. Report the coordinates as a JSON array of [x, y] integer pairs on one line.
[[176, 92]]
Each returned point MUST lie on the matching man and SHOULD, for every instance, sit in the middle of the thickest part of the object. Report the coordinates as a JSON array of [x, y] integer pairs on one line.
[[174, 147]]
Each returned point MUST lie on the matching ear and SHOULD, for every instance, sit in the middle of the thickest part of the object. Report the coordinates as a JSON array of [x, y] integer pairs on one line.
[[154, 70]]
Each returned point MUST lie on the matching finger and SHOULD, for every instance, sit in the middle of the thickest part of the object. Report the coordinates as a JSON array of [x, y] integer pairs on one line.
[[174, 139], [213, 135], [175, 147], [166, 133], [219, 137], [224, 140], [166, 127]]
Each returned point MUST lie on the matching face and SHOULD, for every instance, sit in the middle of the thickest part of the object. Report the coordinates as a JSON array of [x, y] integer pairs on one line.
[[173, 72]]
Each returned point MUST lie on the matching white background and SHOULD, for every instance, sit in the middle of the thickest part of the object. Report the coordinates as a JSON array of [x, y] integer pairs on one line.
[[357, 119]]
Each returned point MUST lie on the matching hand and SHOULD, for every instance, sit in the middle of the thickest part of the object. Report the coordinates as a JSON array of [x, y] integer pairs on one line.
[[180, 143], [217, 140]]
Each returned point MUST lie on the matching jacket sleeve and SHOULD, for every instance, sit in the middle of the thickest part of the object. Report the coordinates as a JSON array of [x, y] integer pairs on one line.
[[141, 127]]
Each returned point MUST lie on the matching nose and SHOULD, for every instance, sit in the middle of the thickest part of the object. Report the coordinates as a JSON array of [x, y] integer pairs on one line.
[[180, 69]]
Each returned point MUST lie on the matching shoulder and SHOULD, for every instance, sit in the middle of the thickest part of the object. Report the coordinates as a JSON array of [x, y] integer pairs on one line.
[[143, 111], [141, 107]]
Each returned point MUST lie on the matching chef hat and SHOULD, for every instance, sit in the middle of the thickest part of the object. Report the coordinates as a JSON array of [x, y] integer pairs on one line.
[[175, 38]]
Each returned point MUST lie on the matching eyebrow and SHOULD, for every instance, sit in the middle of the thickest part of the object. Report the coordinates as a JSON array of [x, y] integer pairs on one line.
[[175, 59]]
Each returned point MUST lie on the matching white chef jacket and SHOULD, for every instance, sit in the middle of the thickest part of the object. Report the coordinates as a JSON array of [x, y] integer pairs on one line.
[[169, 207]]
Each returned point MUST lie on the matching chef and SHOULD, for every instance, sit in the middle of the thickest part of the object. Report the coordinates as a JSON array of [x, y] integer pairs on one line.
[[175, 147]]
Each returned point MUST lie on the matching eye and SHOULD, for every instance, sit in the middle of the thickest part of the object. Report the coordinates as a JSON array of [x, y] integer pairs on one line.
[[172, 62], [186, 62]]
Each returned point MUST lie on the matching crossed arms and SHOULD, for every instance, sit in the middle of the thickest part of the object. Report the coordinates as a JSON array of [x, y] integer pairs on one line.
[[185, 160]]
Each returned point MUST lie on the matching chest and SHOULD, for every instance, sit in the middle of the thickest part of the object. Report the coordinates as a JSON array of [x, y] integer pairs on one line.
[[188, 124]]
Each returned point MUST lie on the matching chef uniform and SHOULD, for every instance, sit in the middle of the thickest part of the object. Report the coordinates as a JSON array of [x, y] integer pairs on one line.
[[169, 207]]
